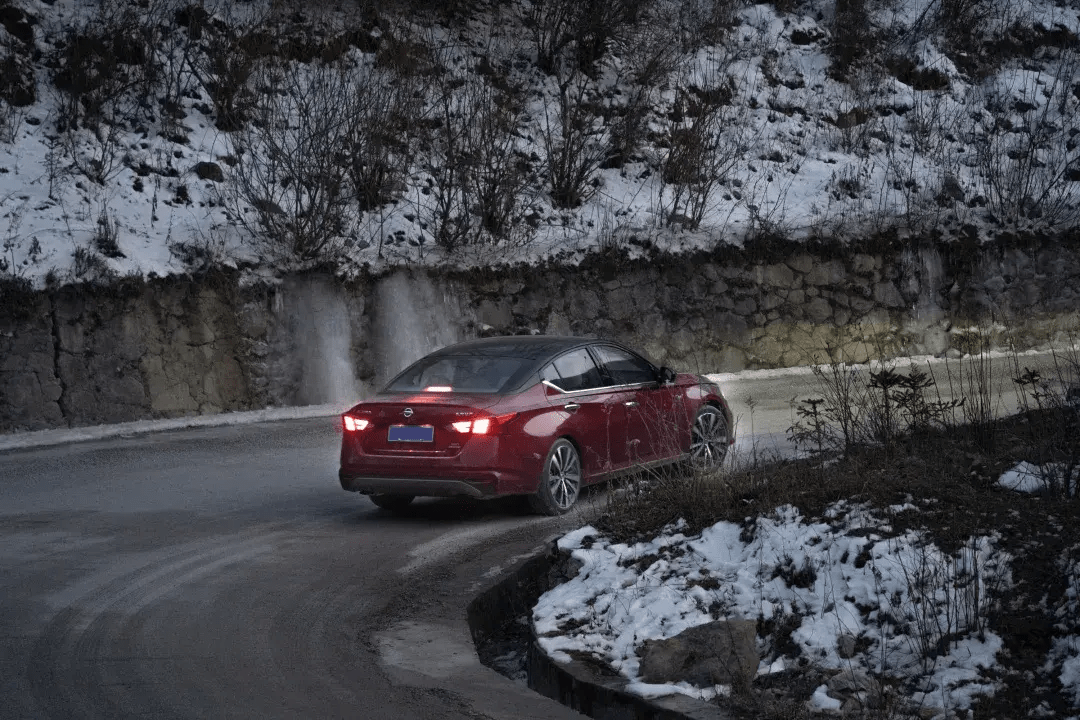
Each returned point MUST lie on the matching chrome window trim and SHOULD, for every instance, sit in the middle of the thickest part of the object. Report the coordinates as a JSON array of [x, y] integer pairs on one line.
[[600, 388]]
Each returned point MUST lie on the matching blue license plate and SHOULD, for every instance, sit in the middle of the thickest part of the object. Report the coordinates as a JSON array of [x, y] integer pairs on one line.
[[411, 433]]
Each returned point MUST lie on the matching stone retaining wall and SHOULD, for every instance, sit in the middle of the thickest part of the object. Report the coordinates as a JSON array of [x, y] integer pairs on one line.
[[179, 346]]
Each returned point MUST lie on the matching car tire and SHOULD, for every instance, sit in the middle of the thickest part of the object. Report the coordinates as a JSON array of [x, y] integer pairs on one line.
[[394, 503], [708, 439], [560, 480]]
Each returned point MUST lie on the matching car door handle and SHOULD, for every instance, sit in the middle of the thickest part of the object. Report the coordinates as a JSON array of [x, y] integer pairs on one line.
[[630, 403], [571, 406]]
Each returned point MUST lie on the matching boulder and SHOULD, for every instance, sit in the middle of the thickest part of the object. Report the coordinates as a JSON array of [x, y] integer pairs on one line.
[[209, 171], [723, 652]]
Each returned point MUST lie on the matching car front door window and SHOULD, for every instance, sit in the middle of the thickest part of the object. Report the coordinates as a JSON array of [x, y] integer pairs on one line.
[[623, 367], [576, 370]]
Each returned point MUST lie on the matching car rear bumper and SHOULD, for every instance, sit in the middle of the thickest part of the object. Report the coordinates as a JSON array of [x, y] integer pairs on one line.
[[421, 487]]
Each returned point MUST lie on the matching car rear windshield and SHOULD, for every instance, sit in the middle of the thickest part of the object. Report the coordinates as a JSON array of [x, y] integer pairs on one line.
[[461, 373]]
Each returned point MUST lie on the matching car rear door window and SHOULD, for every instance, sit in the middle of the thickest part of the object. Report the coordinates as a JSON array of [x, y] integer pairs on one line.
[[576, 370], [622, 367]]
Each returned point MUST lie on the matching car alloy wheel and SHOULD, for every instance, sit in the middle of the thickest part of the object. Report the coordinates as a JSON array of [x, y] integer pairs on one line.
[[708, 439], [560, 483]]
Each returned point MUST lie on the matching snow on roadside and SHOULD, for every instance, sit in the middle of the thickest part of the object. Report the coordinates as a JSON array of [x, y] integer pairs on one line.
[[899, 595], [44, 438], [1027, 477]]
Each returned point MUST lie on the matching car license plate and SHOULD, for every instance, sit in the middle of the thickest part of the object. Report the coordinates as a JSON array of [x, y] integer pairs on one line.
[[411, 433]]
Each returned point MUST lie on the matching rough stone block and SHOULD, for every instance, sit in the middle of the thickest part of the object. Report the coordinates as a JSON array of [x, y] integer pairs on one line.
[[885, 293], [818, 310], [770, 301], [723, 652], [746, 306], [801, 263], [778, 276], [830, 272], [865, 264]]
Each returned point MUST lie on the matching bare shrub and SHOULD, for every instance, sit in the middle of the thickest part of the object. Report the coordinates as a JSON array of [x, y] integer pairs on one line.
[[106, 73], [552, 26], [181, 56], [380, 153], [106, 238], [949, 597], [974, 381], [1051, 404], [1025, 148], [19, 252], [852, 36], [231, 51], [200, 253], [648, 54], [88, 266], [290, 185], [476, 176], [706, 22], [10, 121], [703, 148], [576, 142], [498, 172], [571, 36]]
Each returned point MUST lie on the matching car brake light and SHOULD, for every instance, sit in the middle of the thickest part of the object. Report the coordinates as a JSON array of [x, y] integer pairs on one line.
[[484, 425], [438, 388], [354, 424]]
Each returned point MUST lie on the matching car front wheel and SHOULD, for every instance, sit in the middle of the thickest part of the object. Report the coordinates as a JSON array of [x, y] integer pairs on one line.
[[560, 481], [708, 439], [394, 503]]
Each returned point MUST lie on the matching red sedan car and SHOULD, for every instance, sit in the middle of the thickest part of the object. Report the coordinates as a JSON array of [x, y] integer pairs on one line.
[[539, 416]]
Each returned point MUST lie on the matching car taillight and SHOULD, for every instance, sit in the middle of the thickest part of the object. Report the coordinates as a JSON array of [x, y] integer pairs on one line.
[[354, 424], [484, 425]]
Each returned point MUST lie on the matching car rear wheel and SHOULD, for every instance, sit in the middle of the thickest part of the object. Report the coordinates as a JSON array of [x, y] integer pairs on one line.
[[560, 481], [708, 439], [394, 503]]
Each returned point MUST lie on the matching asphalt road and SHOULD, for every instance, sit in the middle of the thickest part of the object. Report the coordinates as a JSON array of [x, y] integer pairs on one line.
[[222, 572]]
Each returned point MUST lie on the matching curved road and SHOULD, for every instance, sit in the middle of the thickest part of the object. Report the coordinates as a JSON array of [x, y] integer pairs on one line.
[[222, 572]]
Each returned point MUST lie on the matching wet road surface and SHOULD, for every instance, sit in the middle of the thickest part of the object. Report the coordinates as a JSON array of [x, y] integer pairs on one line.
[[223, 573]]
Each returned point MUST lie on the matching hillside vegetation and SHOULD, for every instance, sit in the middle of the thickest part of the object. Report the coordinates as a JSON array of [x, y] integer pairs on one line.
[[166, 136]]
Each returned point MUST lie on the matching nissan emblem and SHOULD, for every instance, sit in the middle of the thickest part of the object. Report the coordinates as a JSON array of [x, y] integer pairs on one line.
[[408, 412]]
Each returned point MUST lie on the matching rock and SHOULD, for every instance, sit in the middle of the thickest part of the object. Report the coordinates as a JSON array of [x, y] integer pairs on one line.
[[723, 652], [818, 310], [865, 264], [850, 681], [801, 263], [207, 170], [951, 188], [746, 306], [885, 293], [18, 23], [778, 276], [827, 273], [845, 646]]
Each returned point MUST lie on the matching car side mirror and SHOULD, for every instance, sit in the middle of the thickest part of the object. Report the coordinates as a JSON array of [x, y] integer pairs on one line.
[[667, 375]]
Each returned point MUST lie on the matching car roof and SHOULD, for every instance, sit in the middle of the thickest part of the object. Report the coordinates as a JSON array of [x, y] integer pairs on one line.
[[530, 347]]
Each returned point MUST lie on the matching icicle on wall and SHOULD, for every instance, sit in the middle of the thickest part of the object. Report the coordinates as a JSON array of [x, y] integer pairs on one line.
[[411, 319], [322, 346]]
